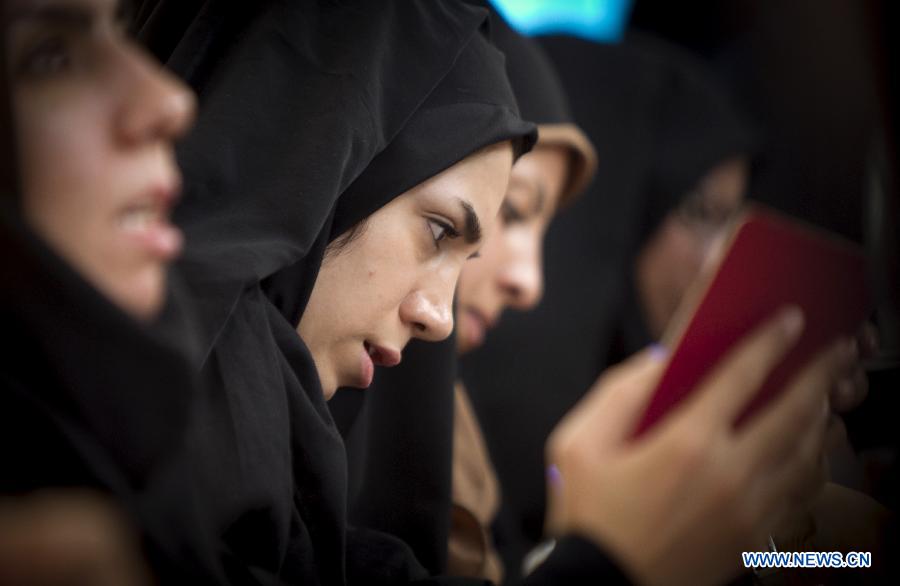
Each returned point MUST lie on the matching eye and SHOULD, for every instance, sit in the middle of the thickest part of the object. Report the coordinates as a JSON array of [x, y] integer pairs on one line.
[[47, 57], [441, 230], [510, 214]]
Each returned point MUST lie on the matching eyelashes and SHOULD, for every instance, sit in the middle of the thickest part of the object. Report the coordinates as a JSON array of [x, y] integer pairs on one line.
[[510, 214], [441, 230]]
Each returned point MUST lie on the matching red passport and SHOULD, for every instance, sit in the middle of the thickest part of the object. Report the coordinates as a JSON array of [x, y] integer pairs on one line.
[[771, 261]]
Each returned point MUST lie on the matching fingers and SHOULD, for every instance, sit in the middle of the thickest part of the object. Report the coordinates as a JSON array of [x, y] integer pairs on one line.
[[611, 407], [623, 395], [798, 478], [802, 408], [734, 382]]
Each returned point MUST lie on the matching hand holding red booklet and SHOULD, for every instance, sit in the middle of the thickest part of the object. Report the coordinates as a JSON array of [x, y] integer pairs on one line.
[[771, 262]]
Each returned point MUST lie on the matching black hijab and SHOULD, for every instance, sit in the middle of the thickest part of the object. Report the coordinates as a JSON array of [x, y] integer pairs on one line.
[[659, 124], [399, 434], [89, 397], [301, 103]]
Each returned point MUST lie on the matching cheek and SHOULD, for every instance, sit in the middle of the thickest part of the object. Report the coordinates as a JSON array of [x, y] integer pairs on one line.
[[358, 287], [66, 145], [68, 165], [75, 181], [682, 257]]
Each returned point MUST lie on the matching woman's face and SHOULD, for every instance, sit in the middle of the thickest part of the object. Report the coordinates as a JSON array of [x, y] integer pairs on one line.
[[509, 270], [674, 255], [395, 280], [96, 119]]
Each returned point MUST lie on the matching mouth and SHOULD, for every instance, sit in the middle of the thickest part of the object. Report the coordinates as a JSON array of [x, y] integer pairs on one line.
[[373, 355], [475, 326], [381, 355], [145, 222]]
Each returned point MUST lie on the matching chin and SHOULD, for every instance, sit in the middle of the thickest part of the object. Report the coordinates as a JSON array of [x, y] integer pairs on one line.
[[463, 347], [145, 299], [328, 392]]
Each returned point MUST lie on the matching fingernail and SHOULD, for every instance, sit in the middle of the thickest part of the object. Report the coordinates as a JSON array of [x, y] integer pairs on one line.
[[792, 321], [554, 476], [658, 352]]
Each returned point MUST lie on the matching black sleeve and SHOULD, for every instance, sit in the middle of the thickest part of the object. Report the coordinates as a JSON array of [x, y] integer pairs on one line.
[[576, 561]]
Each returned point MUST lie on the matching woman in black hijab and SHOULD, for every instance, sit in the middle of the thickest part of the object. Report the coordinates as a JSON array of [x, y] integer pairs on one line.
[[301, 103], [94, 396], [399, 438]]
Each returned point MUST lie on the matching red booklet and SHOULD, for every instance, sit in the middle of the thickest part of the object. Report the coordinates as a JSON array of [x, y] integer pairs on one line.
[[771, 261]]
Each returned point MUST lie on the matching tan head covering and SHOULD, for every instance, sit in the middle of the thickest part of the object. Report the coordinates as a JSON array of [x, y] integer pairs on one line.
[[583, 161]]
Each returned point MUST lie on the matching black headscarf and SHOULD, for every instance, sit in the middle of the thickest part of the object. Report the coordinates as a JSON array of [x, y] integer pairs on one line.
[[89, 397], [543, 100], [399, 433], [659, 124], [300, 103]]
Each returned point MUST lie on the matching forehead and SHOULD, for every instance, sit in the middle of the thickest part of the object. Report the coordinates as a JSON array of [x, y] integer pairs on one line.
[[541, 175]]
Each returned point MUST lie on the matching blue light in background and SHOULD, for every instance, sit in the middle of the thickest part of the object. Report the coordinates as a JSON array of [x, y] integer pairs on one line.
[[595, 20]]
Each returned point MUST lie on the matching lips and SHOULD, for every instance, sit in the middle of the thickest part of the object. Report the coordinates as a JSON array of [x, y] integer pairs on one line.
[[474, 326], [145, 222], [381, 355], [373, 355], [367, 370]]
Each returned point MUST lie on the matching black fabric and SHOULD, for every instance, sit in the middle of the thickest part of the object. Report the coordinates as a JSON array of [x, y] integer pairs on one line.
[[399, 433], [299, 103], [533, 77], [399, 436], [658, 126], [576, 561], [93, 400]]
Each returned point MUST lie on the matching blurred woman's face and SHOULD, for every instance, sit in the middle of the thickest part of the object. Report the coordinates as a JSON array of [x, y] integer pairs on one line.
[[686, 239], [395, 281], [96, 119], [509, 270]]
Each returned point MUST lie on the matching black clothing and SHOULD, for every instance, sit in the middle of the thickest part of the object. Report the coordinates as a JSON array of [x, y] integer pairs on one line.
[[399, 432], [313, 115], [398, 435], [92, 399]]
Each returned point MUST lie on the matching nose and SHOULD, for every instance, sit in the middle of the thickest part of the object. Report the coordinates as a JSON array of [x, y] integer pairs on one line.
[[429, 314], [522, 277], [157, 105]]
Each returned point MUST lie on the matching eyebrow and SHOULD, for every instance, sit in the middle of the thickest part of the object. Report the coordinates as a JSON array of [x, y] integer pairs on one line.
[[472, 225], [531, 187]]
